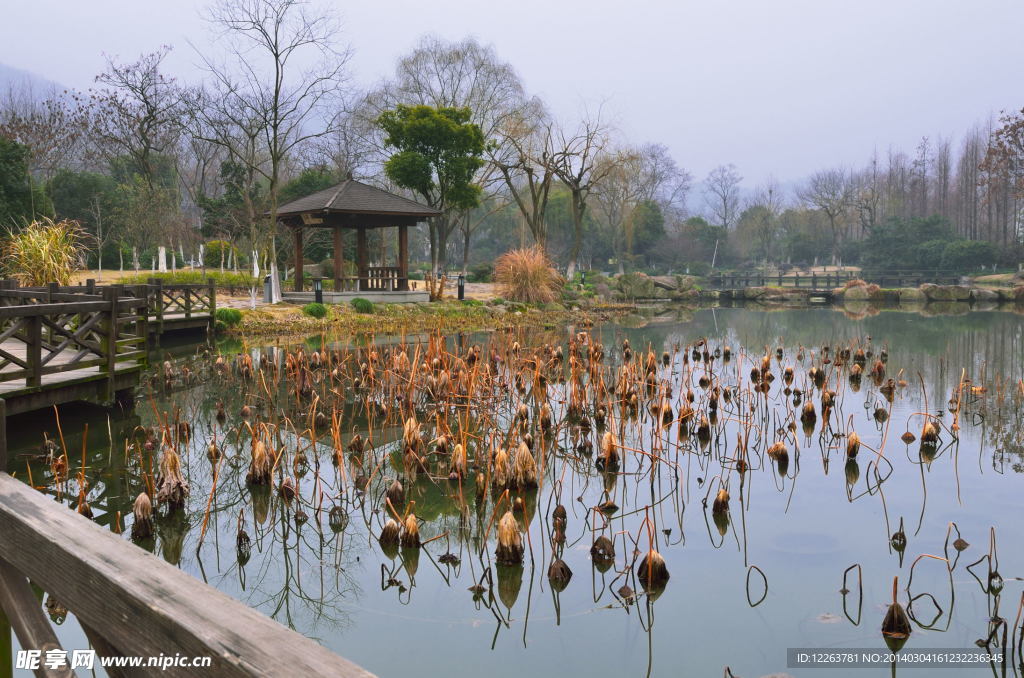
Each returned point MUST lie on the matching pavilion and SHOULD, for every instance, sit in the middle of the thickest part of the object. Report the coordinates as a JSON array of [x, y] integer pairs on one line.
[[355, 206]]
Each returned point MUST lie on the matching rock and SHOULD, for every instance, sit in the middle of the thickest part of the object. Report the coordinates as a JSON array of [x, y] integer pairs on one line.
[[913, 295], [856, 293], [949, 293], [665, 282], [886, 295], [635, 286], [983, 294]]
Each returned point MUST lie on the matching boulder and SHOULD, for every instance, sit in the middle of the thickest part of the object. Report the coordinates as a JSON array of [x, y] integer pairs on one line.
[[912, 295], [856, 293], [665, 282], [635, 286], [979, 294], [949, 293], [886, 295]]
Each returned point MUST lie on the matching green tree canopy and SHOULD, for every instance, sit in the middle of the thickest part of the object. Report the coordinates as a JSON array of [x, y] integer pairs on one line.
[[310, 180], [437, 153], [21, 198]]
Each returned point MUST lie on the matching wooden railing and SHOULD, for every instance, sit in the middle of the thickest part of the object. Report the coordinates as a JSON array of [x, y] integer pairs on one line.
[[49, 332], [377, 279], [830, 279], [177, 301], [131, 603]]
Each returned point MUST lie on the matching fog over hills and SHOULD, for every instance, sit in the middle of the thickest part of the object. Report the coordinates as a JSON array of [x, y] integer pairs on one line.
[[22, 82]]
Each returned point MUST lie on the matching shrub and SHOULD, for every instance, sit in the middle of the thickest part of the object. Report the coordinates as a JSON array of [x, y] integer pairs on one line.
[[481, 273], [968, 255], [221, 280], [315, 310], [362, 305], [228, 316], [527, 275], [472, 302], [214, 249], [698, 268], [45, 251]]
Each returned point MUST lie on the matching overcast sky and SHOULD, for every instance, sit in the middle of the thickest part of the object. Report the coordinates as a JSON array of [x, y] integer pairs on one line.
[[779, 87]]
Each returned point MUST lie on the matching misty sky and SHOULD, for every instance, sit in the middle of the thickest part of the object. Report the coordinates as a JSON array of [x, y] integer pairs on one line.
[[779, 87]]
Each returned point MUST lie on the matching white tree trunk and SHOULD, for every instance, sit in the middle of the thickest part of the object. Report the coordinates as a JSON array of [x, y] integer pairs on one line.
[[275, 284], [161, 259]]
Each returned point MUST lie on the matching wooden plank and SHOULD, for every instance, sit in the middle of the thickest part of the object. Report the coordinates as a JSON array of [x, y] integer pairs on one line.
[[144, 605], [51, 309], [26, 616]]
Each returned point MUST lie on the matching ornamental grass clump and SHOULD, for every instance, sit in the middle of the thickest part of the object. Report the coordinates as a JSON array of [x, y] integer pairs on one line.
[[527, 275], [45, 251]]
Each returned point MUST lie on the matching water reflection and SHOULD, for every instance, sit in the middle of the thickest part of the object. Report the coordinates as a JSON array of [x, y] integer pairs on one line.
[[678, 476]]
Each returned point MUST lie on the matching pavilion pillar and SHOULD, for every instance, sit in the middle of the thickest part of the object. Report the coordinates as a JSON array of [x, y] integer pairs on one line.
[[362, 259], [339, 260], [403, 258], [297, 232]]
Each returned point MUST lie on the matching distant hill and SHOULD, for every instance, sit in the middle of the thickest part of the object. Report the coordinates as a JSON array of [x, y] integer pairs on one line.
[[23, 82]]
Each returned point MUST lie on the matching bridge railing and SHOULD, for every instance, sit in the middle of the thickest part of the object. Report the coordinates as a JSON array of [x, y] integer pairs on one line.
[[830, 279], [175, 301], [48, 332]]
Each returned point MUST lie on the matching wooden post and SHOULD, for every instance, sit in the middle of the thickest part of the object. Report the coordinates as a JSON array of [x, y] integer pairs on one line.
[[111, 294], [90, 286], [3, 443], [361, 259], [27, 618], [297, 233], [339, 259], [34, 350], [403, 258], [6, 650]]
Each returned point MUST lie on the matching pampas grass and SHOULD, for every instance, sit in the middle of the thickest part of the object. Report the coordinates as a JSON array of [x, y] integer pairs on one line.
[[45, 251], [527, 275]]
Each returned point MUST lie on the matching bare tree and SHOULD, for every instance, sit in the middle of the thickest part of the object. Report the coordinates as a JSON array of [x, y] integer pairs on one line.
[[722, 195], [578, 164], [442, 74], [830, 191], [138, 114], [526, 160], [271, 43], [54, 129], [770, 198]]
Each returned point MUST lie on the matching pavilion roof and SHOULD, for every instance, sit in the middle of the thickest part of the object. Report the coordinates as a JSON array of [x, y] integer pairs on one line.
[[355, 197]]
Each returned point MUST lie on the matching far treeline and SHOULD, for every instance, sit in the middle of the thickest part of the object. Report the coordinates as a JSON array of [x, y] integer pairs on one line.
[[143, 162]]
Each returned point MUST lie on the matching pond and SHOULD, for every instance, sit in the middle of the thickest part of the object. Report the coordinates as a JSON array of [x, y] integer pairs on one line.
[[679, 439]]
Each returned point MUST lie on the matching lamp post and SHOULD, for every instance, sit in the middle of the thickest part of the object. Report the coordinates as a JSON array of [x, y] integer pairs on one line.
[[318, 290], [462, 286]]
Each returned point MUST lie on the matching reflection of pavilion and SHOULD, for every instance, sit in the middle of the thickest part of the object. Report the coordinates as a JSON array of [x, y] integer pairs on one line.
[[355, 206]]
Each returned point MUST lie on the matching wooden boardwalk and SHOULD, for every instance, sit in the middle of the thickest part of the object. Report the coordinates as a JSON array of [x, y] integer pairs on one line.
[[61, 344]]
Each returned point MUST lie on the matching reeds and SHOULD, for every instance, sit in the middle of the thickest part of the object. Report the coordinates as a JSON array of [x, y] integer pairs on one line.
[[527, 275], [43, 252]]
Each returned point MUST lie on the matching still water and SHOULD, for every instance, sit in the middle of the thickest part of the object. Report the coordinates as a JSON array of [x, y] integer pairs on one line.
[[746, 583]]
